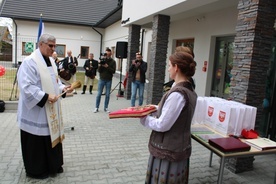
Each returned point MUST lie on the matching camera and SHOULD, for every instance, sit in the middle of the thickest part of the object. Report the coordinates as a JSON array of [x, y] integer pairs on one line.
[[137, 61], [102, 62], [103, 59]]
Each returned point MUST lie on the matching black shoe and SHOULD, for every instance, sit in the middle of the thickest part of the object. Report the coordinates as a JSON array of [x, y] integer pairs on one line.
[[91, 93], [41, 176], [53, 175], [83, 93], [75, 93], [60, 170]]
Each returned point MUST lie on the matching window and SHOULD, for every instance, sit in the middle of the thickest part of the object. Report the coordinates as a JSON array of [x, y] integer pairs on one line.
[[112, 52], [60, 50], [186, 43], [27, 48], [84, 52]]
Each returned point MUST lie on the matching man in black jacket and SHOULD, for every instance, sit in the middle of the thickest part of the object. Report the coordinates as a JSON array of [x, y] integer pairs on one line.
[[138, 70], [106, 69], [90, 66]]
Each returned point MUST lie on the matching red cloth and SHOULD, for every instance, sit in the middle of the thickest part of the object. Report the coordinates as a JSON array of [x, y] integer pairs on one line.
[[249, 134]]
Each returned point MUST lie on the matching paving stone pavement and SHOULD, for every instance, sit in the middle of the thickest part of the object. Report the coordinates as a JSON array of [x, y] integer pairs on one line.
[[111, 151]]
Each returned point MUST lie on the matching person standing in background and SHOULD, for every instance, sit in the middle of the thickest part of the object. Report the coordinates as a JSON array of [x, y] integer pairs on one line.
[[138, 70], [170, 144], [90, 66], [70, 63], [39, 111], [58, 63], [107, 68]]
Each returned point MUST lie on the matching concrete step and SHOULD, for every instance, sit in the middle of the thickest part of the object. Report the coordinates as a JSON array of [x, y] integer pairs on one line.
[[11, 105]]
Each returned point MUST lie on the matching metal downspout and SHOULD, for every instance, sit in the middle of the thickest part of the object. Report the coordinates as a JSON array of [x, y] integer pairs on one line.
[[101, 44]]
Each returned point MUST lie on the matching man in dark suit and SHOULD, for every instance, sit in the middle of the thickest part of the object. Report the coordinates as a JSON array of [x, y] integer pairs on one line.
[[90, 66], [70, 63]]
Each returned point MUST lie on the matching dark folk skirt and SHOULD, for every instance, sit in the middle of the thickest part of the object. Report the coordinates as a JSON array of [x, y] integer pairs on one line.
[[165, 172], [40, 159]]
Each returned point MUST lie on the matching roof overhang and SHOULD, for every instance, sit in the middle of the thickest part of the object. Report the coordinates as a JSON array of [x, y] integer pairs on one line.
[[185, 9]]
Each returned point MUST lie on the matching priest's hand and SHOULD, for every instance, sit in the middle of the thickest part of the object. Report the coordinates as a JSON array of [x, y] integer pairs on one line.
[[68, 89], [52, 98]]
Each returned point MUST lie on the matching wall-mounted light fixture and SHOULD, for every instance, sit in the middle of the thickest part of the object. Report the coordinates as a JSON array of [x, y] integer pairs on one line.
[[125, 21], [200, 19]]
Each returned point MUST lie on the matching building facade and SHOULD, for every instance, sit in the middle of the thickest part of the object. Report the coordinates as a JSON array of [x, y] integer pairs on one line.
[[233, 41]]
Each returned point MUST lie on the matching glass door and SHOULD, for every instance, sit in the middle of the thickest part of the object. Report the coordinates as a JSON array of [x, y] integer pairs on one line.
[[222, 67], [268, 124]]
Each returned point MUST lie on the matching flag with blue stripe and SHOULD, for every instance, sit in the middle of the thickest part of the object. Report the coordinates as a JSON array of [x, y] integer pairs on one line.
[[40, 29]]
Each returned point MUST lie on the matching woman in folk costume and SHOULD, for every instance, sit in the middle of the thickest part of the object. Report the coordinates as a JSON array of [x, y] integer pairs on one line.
[[39, 111], [170, 140]]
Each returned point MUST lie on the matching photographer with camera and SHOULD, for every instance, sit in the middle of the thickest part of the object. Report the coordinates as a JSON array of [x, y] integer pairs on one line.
[[138, 70], [90, 66], [107, 67]]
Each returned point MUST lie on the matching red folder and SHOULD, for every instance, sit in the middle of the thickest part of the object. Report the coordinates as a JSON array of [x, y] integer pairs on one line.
[[133, 112], [229, 144]]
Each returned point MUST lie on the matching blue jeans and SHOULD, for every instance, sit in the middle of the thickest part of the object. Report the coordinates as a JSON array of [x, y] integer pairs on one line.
[[101, 84], [134, 86]]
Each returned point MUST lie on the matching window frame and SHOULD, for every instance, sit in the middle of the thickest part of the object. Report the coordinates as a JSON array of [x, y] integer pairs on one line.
[[84, 53], [60, 50]]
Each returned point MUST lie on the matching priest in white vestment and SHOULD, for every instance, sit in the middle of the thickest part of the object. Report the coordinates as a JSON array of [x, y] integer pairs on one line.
[[39, 111]]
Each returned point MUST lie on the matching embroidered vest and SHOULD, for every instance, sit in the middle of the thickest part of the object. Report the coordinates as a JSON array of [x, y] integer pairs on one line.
[[175, 144]]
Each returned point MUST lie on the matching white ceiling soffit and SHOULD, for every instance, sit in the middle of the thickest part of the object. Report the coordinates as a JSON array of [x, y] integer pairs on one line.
[[189, 8]]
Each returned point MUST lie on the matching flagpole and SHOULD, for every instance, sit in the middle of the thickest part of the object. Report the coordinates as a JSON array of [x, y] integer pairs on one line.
[[40, 29]]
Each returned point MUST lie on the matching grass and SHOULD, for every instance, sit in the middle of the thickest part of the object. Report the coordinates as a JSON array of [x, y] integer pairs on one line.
[[6, 84], [9, 90]]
